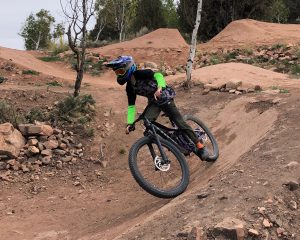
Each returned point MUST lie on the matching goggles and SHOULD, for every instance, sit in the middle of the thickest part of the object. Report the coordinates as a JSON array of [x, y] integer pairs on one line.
[[120, 71]]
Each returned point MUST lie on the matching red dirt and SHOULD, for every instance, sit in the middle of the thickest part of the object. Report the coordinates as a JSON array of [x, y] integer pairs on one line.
[[161, 45], [248, 32]]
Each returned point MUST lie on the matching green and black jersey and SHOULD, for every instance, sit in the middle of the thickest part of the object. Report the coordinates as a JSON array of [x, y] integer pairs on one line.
[[144, 83]]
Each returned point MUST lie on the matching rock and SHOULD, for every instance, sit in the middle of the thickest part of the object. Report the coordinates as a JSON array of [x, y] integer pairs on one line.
[[151, 65], [33, 142], [46, 160], [43, 138], [79, 145], [203, 195], [230, 228], [40, 146], [59, 165], [253, 232], [233, 84], [232, 91], [266, 223], [32, 129], [33, 150], [67, 159], [51, 144], [63, 146], [46, 152], [59, 152], [292, 165], [25, 168], [279, 231], [238, 93], [2, 165], [293, 205], [57, 131], [211, 87], [205, 91], [104, 164], [195, 234], [11, 141], [292, 185]]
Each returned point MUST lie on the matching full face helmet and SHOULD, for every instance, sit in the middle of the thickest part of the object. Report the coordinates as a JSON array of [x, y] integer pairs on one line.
[[123, 67]]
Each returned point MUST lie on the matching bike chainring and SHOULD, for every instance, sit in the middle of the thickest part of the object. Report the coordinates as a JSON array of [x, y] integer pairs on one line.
[[159, 165]]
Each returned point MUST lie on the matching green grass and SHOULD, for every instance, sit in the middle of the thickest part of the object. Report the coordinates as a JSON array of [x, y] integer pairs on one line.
[[30, 72], [278, 46], [284, 91], [54, 84], [231, 55], [215, 60], [50, 59], [295, 69]]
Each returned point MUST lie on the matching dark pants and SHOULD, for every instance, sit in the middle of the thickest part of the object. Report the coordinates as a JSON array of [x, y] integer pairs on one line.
[[172, 112]]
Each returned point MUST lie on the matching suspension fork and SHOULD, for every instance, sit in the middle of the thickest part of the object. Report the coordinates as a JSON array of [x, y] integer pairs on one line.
[[162, 152]]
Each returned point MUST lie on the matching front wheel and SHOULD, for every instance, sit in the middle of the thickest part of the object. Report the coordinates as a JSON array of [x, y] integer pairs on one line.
[[205, 136], [164, 180]]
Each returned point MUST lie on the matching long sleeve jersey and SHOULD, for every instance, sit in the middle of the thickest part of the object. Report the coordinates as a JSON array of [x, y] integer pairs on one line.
[[144, 83]]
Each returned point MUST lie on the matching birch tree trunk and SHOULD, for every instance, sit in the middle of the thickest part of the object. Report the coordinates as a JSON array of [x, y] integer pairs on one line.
[[193, 46]]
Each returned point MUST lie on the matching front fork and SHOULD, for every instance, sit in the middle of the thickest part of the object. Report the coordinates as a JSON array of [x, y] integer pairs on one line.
[[165, 159]]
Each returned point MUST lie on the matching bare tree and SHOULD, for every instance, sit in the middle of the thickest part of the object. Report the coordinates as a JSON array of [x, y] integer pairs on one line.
[[78, 13], [193, 46]]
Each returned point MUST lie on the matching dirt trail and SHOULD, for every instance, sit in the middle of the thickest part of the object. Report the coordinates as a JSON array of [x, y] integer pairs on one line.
[[248, 74], [28, 60]]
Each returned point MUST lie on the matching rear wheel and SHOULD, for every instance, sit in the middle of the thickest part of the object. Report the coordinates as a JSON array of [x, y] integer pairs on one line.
[[161, 180], [205, 136]]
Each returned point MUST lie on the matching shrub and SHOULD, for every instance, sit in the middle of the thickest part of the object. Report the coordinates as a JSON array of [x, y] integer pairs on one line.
[[35, 114], [72, 109], [57, 48], [295, 69], [54, 84], [9, 114], [215, 59], [50, 59], [30, 72], [231, 55]]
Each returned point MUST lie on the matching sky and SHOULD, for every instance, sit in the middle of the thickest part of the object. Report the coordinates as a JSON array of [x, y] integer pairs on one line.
[[13, 14]]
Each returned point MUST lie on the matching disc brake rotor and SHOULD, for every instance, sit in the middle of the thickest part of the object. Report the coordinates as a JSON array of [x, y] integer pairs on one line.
[[160, 166], [201, 134]]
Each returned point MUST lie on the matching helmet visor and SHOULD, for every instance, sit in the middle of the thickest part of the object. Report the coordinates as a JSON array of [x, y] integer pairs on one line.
[[120, 71]]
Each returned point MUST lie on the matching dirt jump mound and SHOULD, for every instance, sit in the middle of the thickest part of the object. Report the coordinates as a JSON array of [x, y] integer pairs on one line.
[[250, 32], [161, 45]]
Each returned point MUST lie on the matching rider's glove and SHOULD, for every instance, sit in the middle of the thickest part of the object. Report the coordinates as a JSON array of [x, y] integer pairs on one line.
[[130, 128]]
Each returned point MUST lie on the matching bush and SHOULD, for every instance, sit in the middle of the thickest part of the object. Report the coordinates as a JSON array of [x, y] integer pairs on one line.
[[54, 84], [35, 114], [9, 114], [295, 69], [72, 109], [30, 72], [231, 55], [57, 48], [50, 59]]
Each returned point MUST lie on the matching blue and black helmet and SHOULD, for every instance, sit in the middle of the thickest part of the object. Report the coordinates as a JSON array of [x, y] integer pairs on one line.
[[124, 67]]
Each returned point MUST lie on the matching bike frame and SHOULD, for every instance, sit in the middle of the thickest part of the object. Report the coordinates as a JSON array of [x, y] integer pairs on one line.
[[153, 130]]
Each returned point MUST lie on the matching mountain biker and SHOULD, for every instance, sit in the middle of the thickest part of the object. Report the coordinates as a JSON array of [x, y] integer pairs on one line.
[[160, 97]]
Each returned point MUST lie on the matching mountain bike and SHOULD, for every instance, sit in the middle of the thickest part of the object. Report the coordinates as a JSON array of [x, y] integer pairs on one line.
[[157, 160]]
